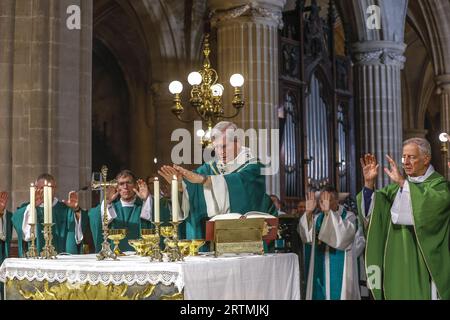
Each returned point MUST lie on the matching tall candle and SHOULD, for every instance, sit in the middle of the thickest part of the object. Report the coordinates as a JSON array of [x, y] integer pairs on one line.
[[46, 207], [32, 214], [174, 199], [156, 199], [50, 203]]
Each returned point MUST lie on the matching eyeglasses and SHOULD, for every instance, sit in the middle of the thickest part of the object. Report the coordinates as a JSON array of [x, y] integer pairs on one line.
[[122, 183]]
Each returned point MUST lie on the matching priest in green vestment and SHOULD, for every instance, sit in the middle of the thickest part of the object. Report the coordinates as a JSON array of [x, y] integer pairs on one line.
[[70, 221], [129, 206], [232, 183], [407, 227], [332, 245], [5, 227]]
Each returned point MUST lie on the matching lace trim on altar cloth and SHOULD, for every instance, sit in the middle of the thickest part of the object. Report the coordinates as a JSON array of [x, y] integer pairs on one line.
[[104, 277]]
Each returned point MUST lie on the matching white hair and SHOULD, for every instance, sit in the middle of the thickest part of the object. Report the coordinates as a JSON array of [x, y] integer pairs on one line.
[[227, 128], [423, 144]]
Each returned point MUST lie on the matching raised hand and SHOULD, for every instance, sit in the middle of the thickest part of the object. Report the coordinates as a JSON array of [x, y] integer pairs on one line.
[[189, 175], [325, 202], [3, 202], [142, 190], [111, 194], [394, 172], [72, 202], [167, 172], [370, 170], [311, 202]]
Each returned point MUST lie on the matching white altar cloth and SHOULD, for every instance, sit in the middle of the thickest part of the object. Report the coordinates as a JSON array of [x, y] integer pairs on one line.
[[248, 277]]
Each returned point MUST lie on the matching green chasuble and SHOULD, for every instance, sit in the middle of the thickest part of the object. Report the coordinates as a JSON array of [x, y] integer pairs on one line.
[[127, 218], [6, 242], [409, 257], [63, 229], [247, 192]]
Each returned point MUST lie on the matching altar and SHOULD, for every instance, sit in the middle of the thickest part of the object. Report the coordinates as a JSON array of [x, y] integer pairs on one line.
[[82, 277]]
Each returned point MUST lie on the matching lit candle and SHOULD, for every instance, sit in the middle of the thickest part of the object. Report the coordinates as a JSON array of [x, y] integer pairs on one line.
[[156, 199], [46, 202], [174, 199], [50, 203], [32, 216]]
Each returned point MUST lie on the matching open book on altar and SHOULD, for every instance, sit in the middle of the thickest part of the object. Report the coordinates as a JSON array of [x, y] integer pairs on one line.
[[271, 228]]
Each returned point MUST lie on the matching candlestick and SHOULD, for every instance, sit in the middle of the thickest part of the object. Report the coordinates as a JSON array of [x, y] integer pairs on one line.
[[32, 252], [32, 213], [174, 199], [156, 199], [48, 252]]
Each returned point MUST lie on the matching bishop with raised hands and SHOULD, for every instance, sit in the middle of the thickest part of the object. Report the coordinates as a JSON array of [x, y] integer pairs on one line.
[[406, 226]]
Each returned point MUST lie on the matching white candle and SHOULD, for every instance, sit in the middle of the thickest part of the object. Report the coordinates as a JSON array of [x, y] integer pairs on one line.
[[156, 199], [50, 203], [45, 202], [32, 214], [174, 199]]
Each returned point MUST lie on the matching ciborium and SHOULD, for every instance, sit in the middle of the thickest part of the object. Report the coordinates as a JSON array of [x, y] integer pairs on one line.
[[116, 235]]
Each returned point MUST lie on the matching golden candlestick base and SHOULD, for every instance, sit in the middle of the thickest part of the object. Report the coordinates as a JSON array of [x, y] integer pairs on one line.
[[32, 252], [152, 238], [48, 252], [116, 235]]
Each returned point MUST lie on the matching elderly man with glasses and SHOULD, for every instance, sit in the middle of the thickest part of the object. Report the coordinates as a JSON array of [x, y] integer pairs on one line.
[[231, 183], [407, 227]]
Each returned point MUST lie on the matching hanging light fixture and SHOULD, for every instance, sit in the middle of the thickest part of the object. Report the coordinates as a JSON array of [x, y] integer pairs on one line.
[[206, 95]]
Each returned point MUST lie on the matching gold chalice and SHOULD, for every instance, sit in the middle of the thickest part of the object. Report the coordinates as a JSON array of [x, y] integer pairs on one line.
[[195, 245], [116, 235], [184, 247], [166, 231], [138, 245]]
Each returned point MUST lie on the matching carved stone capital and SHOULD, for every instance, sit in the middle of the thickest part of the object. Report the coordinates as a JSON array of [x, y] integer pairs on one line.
[[267, 11], [379, 53], [443, 82]]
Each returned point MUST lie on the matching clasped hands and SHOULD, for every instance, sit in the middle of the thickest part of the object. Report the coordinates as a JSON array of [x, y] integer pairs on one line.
[[370, 167]]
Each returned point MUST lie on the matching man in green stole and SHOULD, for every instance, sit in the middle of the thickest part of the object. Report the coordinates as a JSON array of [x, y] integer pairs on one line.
[[407, 227], [333, 244], [70, 221], [5, 227], [129, 206], [232, 183]]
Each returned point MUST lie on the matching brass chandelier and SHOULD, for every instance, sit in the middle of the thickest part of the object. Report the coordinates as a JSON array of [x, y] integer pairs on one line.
[[206, 95]]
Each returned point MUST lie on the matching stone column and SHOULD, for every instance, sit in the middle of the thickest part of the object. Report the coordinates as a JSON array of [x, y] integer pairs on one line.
[[45, 95], [247, 38], [377, 69], [443, 82]]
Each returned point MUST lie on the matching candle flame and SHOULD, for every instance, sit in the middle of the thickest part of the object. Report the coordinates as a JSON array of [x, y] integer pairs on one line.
[[32, 184], [155, 160], [156, 178], [174, 177]]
